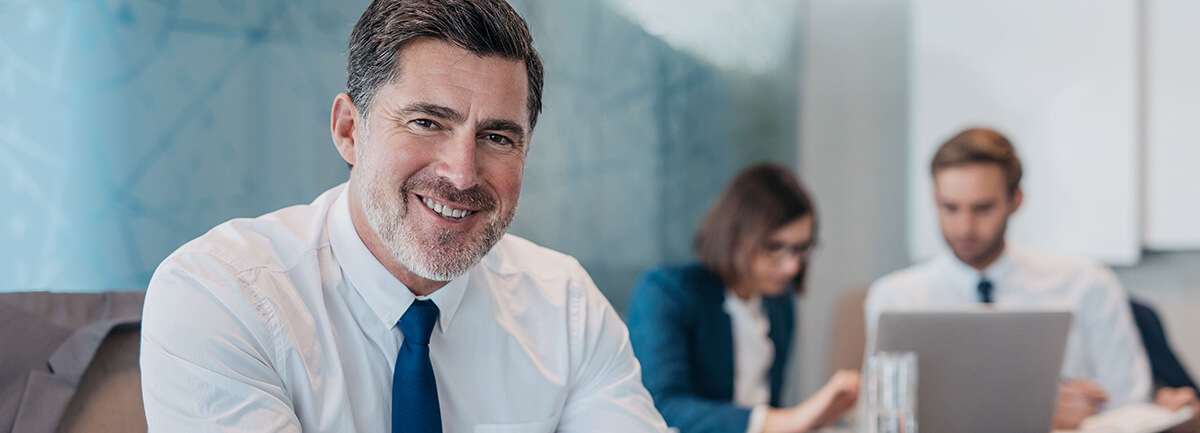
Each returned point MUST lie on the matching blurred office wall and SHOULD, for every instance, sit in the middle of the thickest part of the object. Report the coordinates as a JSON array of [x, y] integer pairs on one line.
[[853, 135], [131, 127]]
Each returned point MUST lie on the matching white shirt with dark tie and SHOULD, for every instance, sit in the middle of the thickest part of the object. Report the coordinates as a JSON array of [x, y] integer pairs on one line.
[[1103, 344], [287, 323]]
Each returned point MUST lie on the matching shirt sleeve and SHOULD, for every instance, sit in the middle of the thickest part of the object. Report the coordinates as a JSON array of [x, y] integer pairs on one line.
[[1114, 345], [205, 361], [606, 392]]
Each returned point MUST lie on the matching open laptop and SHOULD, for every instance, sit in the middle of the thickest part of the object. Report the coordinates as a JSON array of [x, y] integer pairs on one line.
[[981, 371]]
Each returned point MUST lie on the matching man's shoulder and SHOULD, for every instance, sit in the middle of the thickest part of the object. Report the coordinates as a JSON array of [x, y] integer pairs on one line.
[[275, 241], [228, 269], [1060, 268], [516, 255], [520, 273]]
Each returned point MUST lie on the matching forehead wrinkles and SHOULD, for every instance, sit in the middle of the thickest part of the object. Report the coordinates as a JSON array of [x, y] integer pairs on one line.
[[464, 82]]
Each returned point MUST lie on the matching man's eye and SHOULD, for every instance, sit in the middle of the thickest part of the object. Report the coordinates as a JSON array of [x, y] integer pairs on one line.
[[424, 123], [498, 139]]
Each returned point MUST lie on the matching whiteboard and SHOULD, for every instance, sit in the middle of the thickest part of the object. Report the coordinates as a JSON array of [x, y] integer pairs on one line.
[[1060, 80], [1172, 125]]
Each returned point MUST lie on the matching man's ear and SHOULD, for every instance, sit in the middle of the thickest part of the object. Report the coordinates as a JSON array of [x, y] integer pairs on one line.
[[343, 125], [1018, 196]]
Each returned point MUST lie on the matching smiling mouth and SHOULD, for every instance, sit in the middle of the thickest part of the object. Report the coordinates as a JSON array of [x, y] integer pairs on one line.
[[444, 209]]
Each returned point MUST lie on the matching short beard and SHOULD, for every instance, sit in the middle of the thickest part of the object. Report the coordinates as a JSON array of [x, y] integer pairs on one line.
[[988, 254], [446, 255]]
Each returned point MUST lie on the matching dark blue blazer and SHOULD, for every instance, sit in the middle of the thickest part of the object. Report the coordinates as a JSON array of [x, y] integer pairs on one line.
[[1165, 366], [684, 341]]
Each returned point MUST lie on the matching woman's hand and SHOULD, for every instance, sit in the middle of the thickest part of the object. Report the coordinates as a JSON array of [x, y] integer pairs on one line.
[[821, 410], [1178, 398]]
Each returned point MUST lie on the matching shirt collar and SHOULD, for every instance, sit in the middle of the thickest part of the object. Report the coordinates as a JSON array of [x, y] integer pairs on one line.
[[387, 296], [1002, 267], [995, 272], [734, 302]]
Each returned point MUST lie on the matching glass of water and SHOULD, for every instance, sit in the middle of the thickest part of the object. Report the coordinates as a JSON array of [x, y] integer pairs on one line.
[[892, 392]]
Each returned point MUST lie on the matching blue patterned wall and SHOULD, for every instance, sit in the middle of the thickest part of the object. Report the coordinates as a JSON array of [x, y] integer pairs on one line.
[[130, 127]]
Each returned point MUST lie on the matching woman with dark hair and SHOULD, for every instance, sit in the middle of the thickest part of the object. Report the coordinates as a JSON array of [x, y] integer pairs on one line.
[[713, 337]]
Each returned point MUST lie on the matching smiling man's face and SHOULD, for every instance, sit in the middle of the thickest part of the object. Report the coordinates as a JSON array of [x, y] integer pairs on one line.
[[438, 170]]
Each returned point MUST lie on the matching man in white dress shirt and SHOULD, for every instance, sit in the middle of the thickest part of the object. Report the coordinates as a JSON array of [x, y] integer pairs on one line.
[[976, 177], [396, 302]]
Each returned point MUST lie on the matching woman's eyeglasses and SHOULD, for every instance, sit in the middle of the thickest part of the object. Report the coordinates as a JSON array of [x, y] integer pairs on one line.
[[781, 251]]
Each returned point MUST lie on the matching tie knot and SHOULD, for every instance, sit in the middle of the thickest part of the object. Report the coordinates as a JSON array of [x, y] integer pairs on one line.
[[417, 322], [985, 291]]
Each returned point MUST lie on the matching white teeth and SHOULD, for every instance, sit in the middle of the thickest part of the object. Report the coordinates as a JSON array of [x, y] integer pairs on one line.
[[445, 211]]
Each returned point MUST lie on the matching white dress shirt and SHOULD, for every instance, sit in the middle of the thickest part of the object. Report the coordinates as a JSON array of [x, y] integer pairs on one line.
[[1103, 345], [287, 323], [753, 354]]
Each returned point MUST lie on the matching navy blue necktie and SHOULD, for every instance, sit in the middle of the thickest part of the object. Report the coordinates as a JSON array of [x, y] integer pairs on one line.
[[414, 390], [985, 291]]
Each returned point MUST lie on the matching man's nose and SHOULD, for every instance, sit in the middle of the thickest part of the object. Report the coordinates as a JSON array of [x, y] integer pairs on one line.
[[456, 161], [970, 223]]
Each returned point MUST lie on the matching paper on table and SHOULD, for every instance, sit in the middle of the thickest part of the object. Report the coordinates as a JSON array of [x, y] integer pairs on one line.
[[1133, 418]]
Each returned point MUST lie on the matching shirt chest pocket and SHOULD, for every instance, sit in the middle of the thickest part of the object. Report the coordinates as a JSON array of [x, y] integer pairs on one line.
[[543, 426]]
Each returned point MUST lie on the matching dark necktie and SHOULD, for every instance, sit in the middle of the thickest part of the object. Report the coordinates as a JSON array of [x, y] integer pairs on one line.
[[985, 291], [414, 390]]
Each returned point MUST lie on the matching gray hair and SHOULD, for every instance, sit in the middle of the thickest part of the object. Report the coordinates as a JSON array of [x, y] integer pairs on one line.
[[483, 27]]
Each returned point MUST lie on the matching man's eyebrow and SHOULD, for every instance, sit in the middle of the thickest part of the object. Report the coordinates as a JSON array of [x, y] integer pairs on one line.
[[503, 125], [434, 110]]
